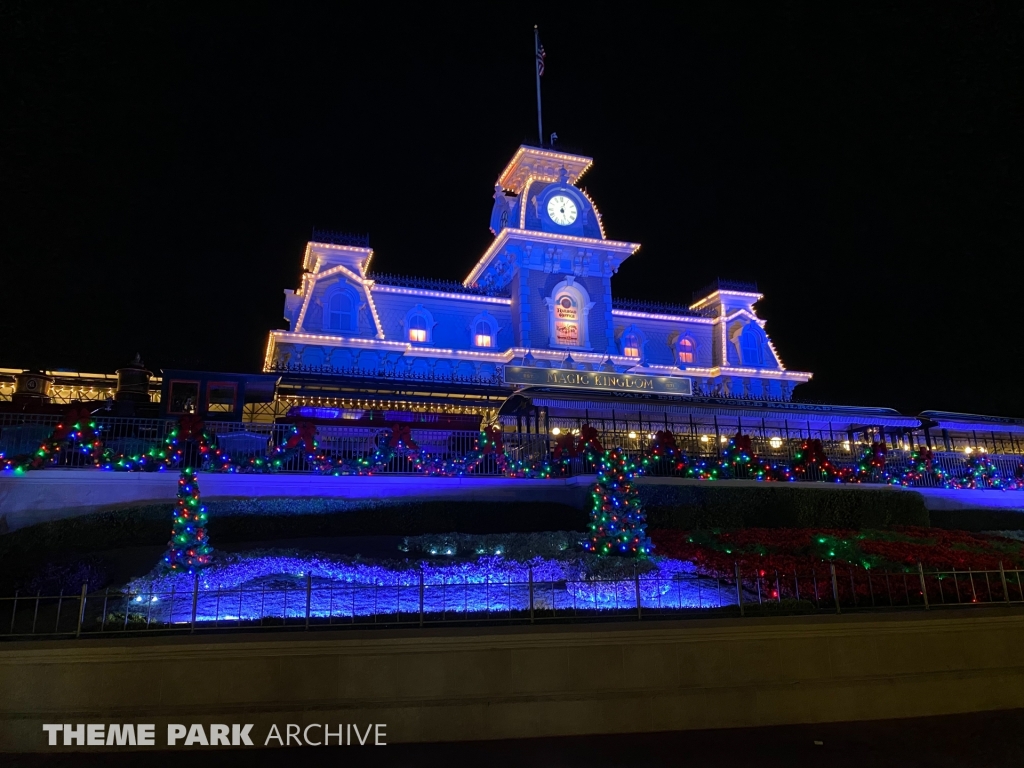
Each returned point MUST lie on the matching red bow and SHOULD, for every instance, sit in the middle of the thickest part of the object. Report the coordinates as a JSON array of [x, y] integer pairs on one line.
[[664, 439], [565, 446], [588, 436], [190, 427], [80, 416], [813, 452], [400, 433], [305, 433], [493, 440], [743, 445]]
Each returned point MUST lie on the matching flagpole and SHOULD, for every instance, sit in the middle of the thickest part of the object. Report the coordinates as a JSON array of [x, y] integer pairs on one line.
[[536, 69]]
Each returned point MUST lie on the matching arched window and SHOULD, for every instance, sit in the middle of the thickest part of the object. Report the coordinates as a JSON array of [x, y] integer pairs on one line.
[[569, 306], [631, 345], [418, 328], [686, 351], [482, 334], [419, 325], [750, 345], [339, 312]]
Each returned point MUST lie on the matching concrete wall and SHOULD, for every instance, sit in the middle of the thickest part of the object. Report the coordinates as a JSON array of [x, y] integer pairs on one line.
[[514, 682], [55, 494]]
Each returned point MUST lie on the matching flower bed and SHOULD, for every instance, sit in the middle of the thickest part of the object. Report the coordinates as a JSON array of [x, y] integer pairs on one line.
[[871, 565], [277, 584], [788, 549]]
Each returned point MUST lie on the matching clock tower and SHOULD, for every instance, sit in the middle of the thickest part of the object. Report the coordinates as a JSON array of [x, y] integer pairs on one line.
[[550, 251]]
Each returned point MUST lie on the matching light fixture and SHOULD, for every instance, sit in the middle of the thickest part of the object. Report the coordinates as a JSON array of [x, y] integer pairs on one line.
[[632, 435], [968, 449], [556, 431], [703, 438], [775, 442], [723, 439], [846, 445]]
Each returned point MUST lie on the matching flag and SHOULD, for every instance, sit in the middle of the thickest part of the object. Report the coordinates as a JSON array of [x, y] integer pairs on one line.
[[540, 59]]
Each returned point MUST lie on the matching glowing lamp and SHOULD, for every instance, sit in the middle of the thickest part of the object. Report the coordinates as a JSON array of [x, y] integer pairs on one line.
[[775, 442]]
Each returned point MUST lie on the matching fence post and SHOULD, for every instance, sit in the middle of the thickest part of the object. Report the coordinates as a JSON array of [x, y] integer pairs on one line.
[[81, 610], [739, 589], [309, 596], [531, 593], [421, 597], [195, 601], [835, 586], [924, 590], [1002, 575], [636, 585]]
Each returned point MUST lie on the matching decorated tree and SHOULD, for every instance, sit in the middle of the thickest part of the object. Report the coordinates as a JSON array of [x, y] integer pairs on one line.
[[189, 548], [618, 525]]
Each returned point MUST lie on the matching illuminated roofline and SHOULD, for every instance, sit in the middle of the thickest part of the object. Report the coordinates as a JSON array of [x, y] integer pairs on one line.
[[565, 157], [611, 245], [670, 318], [700, 302], [506, 356], [441, 294]]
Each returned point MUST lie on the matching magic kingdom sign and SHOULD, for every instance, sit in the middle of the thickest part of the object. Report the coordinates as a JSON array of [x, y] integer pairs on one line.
[[597, 380]]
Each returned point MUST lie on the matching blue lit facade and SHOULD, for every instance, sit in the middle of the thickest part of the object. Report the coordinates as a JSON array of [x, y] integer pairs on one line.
[[541, 296]]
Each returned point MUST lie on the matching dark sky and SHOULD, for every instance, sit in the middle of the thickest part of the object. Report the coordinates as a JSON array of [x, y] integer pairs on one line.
[[163, 167]]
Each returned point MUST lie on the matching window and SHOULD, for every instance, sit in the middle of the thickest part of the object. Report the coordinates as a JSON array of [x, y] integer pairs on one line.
[[183, 397], [418, 328], [482, 335], [750, 345], [631, 345], [569, 305], [339, 312], [221, 397], [685, 351]]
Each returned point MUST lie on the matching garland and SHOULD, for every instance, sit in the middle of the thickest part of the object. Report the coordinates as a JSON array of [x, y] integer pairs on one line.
[[77, 430]]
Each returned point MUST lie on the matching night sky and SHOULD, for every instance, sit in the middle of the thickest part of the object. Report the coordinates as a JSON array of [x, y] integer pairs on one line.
[[161, 170]]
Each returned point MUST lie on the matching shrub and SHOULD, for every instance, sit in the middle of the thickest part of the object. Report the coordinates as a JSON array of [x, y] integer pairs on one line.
[[978, 519], [690, 507]]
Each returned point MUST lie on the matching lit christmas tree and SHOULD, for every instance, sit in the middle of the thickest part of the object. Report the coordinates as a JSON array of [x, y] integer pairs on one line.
[[618, 525], [189, 547]]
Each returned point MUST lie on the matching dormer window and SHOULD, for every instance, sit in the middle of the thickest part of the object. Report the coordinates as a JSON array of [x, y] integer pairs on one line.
[[418, 329], [484, 330], [631, 346], [750, 345], [685, 351], [482, 337], [339, 313]]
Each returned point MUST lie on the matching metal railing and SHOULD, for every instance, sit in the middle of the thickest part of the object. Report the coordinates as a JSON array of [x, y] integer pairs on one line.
[[416, 601], [22, 434]]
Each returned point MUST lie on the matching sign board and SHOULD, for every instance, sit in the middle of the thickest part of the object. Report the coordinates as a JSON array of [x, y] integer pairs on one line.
[[597, 380]]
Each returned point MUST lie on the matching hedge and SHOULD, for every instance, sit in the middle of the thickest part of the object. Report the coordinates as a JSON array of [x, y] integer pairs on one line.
[[689, 507], [268, 519], [978, 519]]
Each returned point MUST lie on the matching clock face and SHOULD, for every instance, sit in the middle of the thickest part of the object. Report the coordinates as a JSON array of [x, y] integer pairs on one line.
[[562, 210]]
